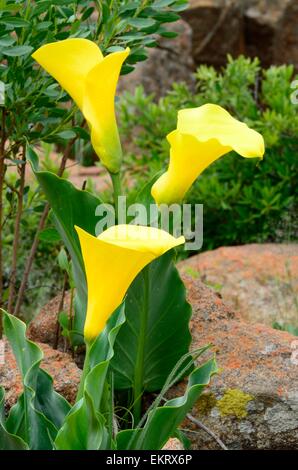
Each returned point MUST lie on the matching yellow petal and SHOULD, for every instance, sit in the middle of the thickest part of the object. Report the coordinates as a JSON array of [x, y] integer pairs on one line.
[[211, 121], [112, 261], [99, 109], [202, 136], [91, 80], [69, 61]]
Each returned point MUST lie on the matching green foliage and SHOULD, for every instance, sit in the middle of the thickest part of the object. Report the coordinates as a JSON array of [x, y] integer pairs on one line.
[[8, 441], [85, 426], [163, 421], [39, 411], [244, 201], [43, 419], [32, 100], [149, 348], [292, 329]]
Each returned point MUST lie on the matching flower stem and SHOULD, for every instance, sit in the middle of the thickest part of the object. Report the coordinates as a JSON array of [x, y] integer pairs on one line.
[[85, 372], [117, 190], [139, 368]]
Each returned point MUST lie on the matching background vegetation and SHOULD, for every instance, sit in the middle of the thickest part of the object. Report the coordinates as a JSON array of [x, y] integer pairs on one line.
[[245, 201]]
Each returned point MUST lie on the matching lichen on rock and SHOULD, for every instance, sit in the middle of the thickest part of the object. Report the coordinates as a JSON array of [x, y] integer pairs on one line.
[[206, 403], [234, 402]]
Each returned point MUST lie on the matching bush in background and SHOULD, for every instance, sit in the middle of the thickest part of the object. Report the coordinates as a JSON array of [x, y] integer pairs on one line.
[[245, 201]]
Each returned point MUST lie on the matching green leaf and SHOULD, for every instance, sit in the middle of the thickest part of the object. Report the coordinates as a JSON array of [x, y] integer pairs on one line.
[[66, 135], [49, 235], [43, 25], [39, 411], [163, 421], [115, 49], [126, 69], [14, 22], [141, 23], [7, 41], [64, 323], [17, 51], [129, 7], [168, 317], [8, 441], [63, 261], [85, 425], [87, 13], [138, 55], [168, 34], [162, 3], [166, 17]]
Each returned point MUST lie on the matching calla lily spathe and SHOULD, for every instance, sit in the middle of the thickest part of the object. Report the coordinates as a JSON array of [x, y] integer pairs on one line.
[[202, 136], [91, 80], [112, 261]]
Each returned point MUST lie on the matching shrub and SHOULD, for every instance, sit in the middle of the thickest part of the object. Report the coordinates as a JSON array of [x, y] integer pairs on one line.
[[244, 202]]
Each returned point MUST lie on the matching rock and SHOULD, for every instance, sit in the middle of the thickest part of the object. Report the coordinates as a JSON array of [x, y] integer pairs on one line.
[[252, 402], [65, 373], [258, 28], [259, 281], [173, 444], [43, 327], [170, 62], [217, 28], [265, 23], [286, 44]]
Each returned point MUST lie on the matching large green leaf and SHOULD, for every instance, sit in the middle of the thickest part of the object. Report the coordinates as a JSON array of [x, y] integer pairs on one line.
[[8, 441], [70, 207], [163, 421], [85, 427], [39, 411], [167, 335]]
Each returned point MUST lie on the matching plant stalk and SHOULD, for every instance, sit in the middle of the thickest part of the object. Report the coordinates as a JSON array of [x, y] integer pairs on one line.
[[16, 238], [60, 308], [40, 227], [85, 372], [116, 180], [2, 172], [139, 368]]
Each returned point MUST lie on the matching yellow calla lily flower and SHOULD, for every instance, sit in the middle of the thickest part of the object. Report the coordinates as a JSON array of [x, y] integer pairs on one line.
[[91, 80], [202, 136], [112, 261]]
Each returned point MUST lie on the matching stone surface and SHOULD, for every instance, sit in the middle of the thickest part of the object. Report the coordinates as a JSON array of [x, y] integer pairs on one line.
[[170, 62], [286, 44], [263, 28], [65, 373], [259, 281], [252, 402], [43, 328], [173, 444], [217, 28]]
